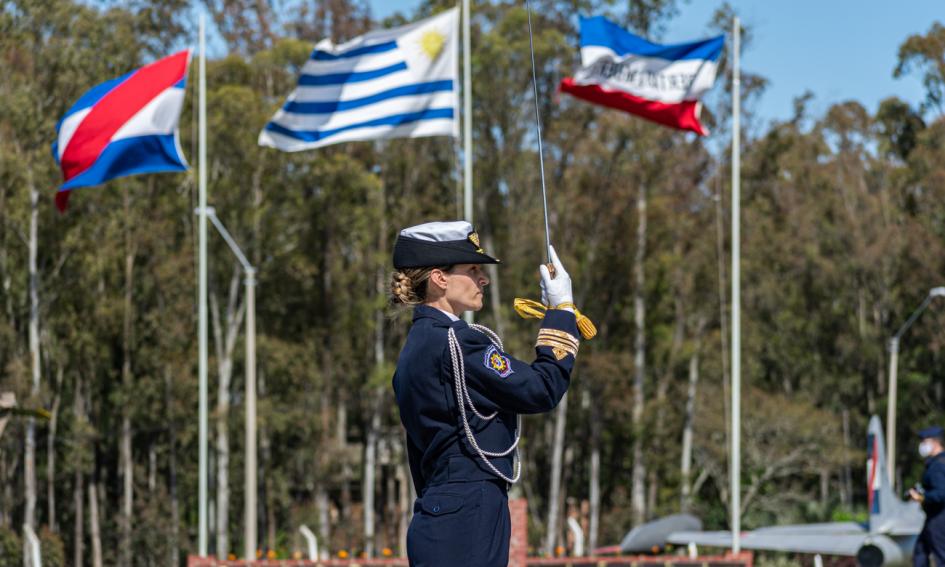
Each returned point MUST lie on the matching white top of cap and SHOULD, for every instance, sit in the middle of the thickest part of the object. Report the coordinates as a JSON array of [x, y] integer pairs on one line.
[[439, 231]]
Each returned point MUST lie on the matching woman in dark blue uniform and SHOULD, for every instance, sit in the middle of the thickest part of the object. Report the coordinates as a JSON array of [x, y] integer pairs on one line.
[[460, 394]]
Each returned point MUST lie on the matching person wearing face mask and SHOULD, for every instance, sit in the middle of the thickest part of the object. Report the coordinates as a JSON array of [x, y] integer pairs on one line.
[[931, 541], [460, 394]]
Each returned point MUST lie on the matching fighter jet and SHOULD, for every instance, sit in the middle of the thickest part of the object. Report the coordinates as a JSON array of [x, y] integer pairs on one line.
[[887, 538]]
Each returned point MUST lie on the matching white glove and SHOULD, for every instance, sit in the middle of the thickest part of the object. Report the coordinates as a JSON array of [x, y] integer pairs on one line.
[[557, 290]]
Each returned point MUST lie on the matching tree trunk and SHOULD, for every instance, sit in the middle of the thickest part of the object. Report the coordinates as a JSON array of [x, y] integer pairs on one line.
[[224, 338], [341, 436], [94, 530], [389, 521], [125, 458], [324, 515], [322, 501], [685, 467], [6, 496], [51, 453], [404, 484], [265, 454], [594, 490], [847, 492], [373, 431], [152, 469], [557, 453], [563, 512], [78, 489], [78, 533], [6, 273], [370, 467], [638, 475], [29, 462], [172, 559]]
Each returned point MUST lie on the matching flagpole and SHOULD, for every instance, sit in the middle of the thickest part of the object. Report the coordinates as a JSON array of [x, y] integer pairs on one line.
[[467, 118], [736, 294], [467, 127], [202, 291]]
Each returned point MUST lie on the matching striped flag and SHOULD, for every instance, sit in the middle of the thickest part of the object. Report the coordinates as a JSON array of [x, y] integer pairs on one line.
[[662, 83], [392, 83], [123, 127]]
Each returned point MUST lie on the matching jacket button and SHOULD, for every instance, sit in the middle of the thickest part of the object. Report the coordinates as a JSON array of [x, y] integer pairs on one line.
[[436, 508]]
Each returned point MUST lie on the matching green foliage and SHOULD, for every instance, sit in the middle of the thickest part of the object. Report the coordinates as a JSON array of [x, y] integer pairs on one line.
[[771, 559], [11, 551], [859, 516], [52, 548], [925, 54]]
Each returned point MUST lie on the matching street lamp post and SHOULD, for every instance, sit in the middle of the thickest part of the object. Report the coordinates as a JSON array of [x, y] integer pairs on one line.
[[249, 502], [894, 379]]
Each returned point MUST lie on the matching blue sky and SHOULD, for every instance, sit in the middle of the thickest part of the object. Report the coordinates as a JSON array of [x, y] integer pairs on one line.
[[837, 49]]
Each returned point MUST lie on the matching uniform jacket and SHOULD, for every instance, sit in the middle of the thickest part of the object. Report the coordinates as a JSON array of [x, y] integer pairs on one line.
[[933, 482], [424, 386]]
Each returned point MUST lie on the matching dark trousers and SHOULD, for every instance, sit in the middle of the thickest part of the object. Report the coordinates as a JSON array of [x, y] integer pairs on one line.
[[931, 544], [461, 524]]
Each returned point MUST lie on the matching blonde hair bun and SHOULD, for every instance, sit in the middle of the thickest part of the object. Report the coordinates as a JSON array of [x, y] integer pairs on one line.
[[408, 286], [402, 289]]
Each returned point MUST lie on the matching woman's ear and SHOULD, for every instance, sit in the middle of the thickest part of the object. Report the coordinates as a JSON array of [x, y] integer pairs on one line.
[[438, 279]]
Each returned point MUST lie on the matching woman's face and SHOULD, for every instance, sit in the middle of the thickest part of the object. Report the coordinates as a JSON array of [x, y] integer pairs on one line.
[[464, 288]]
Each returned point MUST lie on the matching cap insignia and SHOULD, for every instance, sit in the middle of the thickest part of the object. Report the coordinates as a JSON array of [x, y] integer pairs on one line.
[[474, 238]]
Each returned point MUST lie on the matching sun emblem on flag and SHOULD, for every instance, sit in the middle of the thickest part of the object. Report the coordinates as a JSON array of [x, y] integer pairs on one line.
[[431, 43]]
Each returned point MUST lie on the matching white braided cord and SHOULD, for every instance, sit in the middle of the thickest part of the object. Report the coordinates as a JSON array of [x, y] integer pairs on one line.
[[463, 398]]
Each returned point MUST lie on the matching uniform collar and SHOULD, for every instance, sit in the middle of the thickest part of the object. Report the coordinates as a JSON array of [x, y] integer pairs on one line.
[[439, 317]]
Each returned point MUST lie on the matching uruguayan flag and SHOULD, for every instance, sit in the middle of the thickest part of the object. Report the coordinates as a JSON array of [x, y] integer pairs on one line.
[[392, 83]]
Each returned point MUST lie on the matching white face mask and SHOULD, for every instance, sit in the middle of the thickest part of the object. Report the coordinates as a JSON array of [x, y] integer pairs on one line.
[[925, 448]]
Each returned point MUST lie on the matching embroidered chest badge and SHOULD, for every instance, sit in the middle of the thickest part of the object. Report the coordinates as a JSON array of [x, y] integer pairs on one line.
[[496, 362]]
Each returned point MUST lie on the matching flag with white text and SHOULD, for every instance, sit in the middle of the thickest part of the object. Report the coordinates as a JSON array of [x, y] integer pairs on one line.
[[392, 83], [662, 83]]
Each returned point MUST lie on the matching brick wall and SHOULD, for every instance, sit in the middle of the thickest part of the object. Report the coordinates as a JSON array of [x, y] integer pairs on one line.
[[518, 548]]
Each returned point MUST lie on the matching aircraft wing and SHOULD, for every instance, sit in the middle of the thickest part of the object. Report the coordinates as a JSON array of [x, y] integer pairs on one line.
[[826, 542], [805, 529]]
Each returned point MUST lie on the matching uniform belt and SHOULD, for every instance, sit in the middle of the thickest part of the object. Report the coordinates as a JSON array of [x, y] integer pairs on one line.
[[461, 468]]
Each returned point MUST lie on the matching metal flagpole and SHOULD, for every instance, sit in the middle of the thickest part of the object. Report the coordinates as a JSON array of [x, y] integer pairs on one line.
[[893, 381], [467, 117], [249, 462], [541, 157], [736, 471], [891, 410], [249, 533], [202, 291], [467, 128]]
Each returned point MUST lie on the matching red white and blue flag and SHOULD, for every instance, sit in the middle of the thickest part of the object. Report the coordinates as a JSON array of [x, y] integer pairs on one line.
[[662, 83], [123, 127]]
